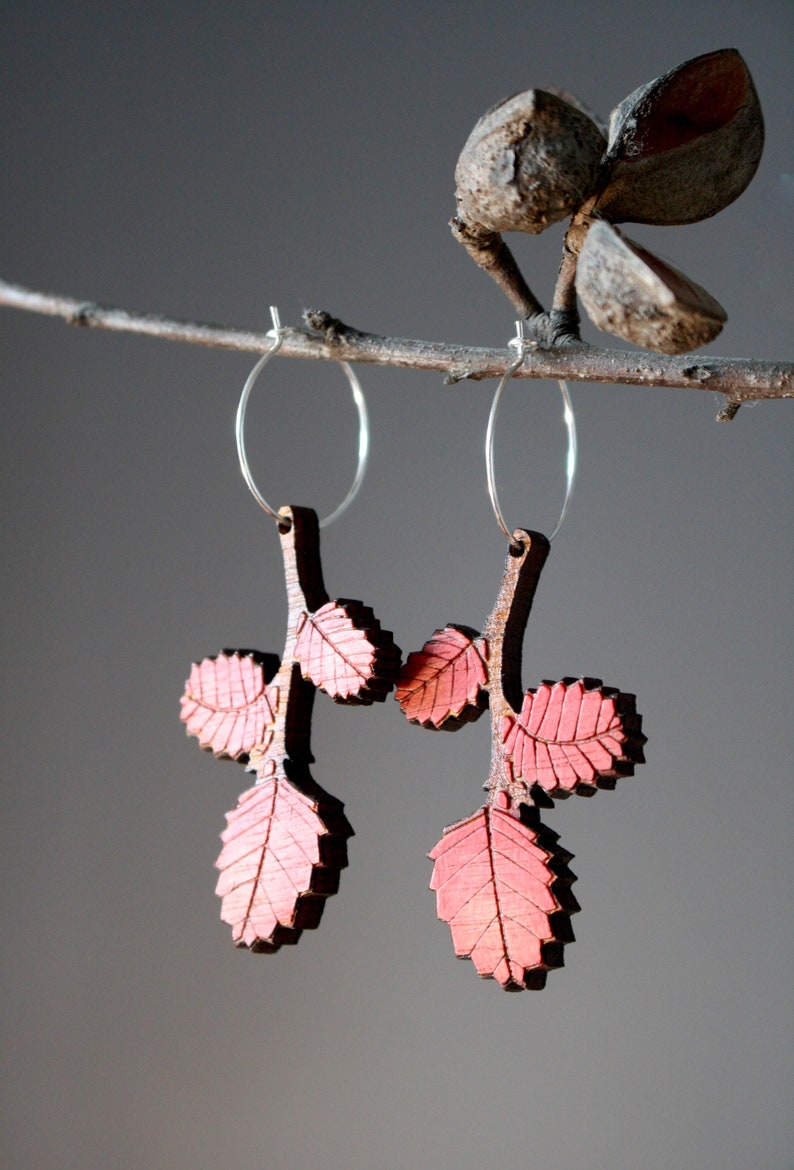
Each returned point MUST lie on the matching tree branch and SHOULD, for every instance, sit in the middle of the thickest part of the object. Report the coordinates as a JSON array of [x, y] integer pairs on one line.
[[325, 338]]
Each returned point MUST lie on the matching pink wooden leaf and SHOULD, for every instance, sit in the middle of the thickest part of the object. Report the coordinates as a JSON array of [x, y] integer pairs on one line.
[[573, 736], [344, 652], [282, 853], [442, 686], [504, 889], [228, 705]]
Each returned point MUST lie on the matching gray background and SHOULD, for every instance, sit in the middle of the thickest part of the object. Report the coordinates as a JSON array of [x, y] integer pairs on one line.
[[207, 160]]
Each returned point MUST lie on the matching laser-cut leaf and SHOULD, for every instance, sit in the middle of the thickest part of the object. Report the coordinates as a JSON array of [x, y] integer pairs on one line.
[[573, 736], [503, 887], [285, 842], [343, 651], [228, 705], [442, 686], [282, 852]]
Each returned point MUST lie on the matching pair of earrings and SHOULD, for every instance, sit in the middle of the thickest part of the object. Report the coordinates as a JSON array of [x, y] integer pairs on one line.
[[502, 881]]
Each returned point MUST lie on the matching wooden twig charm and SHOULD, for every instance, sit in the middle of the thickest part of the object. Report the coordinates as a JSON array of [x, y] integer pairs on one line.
[[285, 842], [501, 881]]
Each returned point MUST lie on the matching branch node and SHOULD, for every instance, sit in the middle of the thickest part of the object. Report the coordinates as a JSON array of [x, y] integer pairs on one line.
[[729, 410], [84, 314], [563, 327], [332, 329], [456, 375], [697, 374]]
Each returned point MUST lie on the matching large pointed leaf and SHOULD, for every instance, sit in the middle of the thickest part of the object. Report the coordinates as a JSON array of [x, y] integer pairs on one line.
[[504, 889], [344, 652], [228, 706], [573, 736], [442, 685], [282, 853]]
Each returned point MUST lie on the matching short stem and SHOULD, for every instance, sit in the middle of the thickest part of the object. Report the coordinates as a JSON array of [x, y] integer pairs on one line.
[[565, 291], [489, 251], [303, 574], [300, 546], [504, 635], [565, 308]]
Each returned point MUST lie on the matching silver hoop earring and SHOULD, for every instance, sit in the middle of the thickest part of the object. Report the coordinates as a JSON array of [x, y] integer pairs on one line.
[[277, 333], [524, 346], [286, 840], [502, 882]]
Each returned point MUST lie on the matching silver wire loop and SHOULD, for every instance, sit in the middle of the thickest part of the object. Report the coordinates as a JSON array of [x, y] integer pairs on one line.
[[277, 333], [524, 345]]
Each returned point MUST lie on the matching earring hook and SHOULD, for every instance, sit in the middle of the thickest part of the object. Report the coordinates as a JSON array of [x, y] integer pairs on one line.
[[525, 345], [277, 333]]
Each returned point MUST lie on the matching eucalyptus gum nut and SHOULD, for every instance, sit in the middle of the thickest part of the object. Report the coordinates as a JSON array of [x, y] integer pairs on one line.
[[581, 106], [683, 146], [528, 163], [630, 293]]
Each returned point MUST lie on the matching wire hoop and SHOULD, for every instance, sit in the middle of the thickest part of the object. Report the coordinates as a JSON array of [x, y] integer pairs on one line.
[[525, 345], [277, 333]]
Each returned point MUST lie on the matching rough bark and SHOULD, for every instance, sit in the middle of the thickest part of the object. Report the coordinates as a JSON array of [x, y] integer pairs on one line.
[[325, 338]]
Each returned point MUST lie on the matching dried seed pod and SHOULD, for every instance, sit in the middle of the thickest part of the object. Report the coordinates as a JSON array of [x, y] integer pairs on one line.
[[529, 162], [629, 292], [582, 107], [683, 146]]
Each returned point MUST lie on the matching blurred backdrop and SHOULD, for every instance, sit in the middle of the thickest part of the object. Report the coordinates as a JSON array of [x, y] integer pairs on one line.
[[206, 160]]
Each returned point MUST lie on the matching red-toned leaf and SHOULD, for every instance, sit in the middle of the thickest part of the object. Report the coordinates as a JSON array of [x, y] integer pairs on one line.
[[442, 686], [282, 852], [344, 652], [504, 889], [228, 705], [573, 736]]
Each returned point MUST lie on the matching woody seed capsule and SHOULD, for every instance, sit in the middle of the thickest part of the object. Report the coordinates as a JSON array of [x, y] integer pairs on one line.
[[683, 146], [529, 162], [630, 293]]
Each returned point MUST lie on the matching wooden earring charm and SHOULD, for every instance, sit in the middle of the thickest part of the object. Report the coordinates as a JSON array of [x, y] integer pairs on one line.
[[285, 842], [502, 882]]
